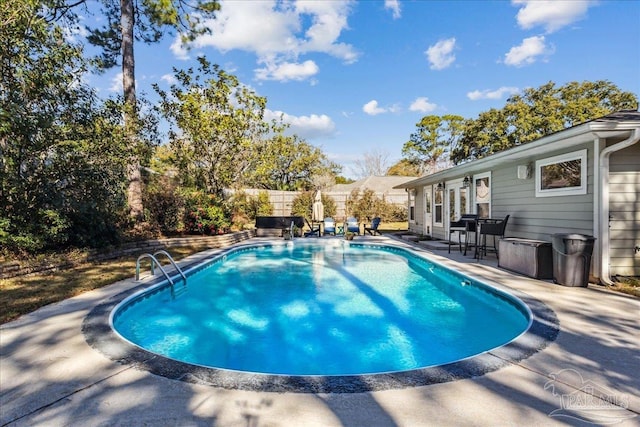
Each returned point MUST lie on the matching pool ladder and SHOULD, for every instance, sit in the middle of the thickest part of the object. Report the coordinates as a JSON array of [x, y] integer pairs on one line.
[[154, 262]]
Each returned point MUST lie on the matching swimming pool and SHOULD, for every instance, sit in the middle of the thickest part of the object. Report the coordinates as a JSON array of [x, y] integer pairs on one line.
[[321, 307]]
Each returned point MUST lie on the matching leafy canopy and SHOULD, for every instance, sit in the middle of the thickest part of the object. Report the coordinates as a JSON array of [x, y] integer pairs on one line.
[[61, 150], [538, 112]]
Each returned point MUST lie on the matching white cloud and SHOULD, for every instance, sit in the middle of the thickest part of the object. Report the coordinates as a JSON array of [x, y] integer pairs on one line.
[[75, 33], [287, 71], [394, 6], [372, 108], [422, 105], [116, 83], [307, 127], [492, 94], [551, 14], [169, 78], [278, 33], [441, 55], [528, 52], [179, 50]]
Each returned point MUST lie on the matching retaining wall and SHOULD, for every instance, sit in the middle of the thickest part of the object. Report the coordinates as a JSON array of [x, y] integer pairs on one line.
[[133, 249]]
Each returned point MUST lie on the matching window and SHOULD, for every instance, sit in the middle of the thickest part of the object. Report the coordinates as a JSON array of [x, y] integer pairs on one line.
[[427, 199], [428, 219], [437, 205], [452, 204], [482, 184], [412, 205], [562, 175]]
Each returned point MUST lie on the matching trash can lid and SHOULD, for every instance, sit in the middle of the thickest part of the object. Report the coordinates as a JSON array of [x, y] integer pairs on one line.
[[573, 236]]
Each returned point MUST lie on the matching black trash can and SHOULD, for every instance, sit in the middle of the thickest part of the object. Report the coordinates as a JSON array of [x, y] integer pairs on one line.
[[572, 258]]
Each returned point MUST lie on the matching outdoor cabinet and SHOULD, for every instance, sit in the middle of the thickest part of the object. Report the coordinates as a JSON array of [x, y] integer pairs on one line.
[[532, 258]]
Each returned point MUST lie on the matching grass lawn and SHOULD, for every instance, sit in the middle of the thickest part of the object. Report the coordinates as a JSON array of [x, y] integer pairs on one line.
[[24, 294]]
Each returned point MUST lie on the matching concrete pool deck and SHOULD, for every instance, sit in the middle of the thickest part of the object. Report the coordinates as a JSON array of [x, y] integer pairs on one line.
[[50, 375]]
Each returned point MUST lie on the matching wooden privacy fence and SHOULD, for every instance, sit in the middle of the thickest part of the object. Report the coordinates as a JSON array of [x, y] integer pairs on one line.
[[283, 200]]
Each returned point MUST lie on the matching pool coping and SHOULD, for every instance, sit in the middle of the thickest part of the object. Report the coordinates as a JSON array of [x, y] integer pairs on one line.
[[98, 334]]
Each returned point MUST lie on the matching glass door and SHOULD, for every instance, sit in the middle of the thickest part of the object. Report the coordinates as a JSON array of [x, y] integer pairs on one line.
[[458, 202], [428, 216]]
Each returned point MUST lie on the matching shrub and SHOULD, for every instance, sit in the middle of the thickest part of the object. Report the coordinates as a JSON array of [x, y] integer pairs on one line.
[[206, 220], [302, 205], [164, 203], [243, 208], [367, 206], [204, 214]]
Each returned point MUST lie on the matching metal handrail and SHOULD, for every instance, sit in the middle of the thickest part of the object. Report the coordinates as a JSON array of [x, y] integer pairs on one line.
[[161, 252], [153, 261]]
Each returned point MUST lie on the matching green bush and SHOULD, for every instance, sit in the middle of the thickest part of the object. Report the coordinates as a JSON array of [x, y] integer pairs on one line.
[[302, 205], [164, 204], [261, 205], [204, 214], [243, 208], [206, 220], [367, 205]]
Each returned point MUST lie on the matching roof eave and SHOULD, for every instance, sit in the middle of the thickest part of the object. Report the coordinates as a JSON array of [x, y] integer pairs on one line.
[[572, 136]]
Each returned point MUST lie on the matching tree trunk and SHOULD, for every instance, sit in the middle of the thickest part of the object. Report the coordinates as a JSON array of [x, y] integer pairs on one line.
[[134, 191]]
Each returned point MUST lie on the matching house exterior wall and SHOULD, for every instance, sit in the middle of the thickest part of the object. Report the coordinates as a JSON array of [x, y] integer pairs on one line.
[[624, 211], [531, 217], [611, 177], [539, 217]]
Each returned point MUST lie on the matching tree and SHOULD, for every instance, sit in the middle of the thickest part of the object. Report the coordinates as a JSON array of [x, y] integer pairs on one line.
[[60, 148], [128, 21], [430, 145], [288, 163], [404, 168], [374, 162], [216, 125], [343, 180], [538, 112]]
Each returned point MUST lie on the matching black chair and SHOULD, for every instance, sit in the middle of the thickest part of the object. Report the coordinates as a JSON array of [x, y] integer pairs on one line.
[[313, 230], [375, 223], [495, 228], [464, 227]]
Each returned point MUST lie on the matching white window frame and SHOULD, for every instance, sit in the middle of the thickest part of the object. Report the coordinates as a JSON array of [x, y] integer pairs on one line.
[[427, 195], [475, 196], [569, 191], [412, 205], [435, 205]]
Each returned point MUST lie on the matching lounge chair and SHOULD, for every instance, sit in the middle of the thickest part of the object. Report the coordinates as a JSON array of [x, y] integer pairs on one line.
[[313, 230], [329, 226], [375, 223], [466, 225], [353, 226]]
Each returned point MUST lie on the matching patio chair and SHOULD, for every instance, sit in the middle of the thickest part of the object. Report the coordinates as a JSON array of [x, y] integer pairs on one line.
[[353, 226], [495, 228], [313, 230], [375, 223], [466, 225], [329, 226]]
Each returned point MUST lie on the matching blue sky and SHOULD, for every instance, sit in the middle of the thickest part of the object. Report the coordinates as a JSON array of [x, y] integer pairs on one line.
[[356, 77]]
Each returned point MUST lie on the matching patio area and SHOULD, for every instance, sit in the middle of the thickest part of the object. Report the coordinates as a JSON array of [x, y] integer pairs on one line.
[[50, 375]]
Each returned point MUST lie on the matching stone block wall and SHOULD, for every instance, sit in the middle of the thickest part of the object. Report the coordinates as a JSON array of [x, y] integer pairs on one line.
[[133, 249]]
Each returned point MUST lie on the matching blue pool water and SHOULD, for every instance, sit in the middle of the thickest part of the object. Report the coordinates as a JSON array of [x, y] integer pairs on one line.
[[325, 308]]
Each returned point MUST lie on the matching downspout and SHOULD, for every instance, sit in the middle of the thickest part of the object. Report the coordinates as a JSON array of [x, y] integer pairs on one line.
[[604, 202]]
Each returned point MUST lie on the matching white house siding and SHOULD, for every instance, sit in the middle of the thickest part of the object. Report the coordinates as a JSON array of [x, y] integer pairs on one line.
[[624, 210]]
